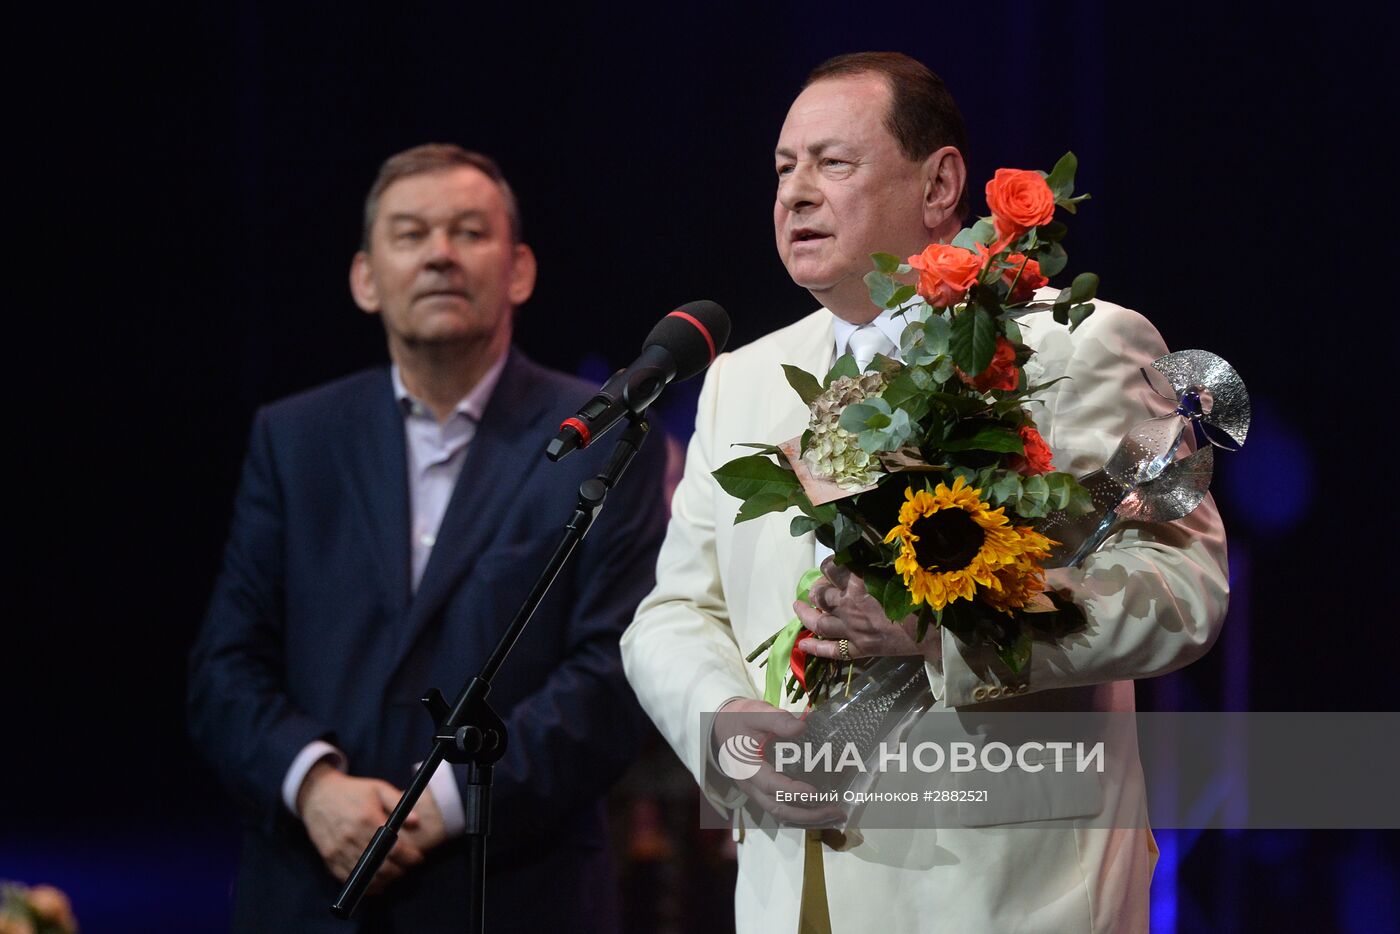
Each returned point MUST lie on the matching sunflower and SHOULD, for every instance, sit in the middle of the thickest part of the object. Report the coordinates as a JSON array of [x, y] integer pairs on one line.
[[951, 543]]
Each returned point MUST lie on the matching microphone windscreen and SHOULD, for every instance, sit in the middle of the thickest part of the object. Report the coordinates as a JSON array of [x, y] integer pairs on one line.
[[693, 334]]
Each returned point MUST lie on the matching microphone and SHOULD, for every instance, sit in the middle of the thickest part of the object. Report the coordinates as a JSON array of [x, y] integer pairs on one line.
[[682, 344]]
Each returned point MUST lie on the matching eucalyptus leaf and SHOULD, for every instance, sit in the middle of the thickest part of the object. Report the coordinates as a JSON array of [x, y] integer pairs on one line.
[[1061, 177], [902, 295], [1052, 260], [984, 231], [1079, 313], [966, 239], [886, 263], [937, 332], [858, 416], [847, 532], [881, 287], [1083, 288]]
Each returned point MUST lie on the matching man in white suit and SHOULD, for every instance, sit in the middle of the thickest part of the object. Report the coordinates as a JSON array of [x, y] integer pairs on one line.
[[870, 159]]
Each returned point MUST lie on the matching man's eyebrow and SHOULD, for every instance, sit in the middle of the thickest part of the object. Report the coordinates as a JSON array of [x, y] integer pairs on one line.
[[411, 218], [815, 148]]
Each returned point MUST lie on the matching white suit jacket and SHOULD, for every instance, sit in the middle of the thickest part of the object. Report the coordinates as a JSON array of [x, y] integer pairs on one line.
[[1154, 597]]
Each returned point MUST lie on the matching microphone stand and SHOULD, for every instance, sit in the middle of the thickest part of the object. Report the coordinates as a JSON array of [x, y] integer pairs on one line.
[[469, 732]]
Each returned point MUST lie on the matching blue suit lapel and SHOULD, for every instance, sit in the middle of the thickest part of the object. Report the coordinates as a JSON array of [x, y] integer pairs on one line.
[[505, 452], [378, 467]]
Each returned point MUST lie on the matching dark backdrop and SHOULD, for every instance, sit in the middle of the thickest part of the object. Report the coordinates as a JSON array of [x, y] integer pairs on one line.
[[187, 184]]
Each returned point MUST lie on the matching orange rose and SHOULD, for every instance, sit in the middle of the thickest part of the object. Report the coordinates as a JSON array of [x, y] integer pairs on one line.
[[1030, 280], [946, 272], [1020, 199], [1038, 454], [1001, 373]]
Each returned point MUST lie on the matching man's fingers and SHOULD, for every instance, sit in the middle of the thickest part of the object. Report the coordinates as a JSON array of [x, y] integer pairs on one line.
[[819, 621], [405, 854], [795, 814], [839, 576], [823, 648]]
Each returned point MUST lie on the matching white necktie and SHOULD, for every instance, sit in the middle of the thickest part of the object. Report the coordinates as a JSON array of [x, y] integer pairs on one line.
[[867, 341]]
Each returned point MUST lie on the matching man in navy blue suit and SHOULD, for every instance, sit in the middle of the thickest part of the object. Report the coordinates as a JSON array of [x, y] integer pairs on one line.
[[386, 528]]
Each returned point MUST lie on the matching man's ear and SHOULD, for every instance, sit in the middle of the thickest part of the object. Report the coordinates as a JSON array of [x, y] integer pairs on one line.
[[522, 275], [944, 177], [362, 287]]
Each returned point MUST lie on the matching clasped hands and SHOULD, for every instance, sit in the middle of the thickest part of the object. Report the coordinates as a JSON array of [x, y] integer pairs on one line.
[[838, 607], [342, 812]]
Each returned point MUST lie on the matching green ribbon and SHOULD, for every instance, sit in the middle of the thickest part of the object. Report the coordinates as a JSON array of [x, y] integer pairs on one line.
[[780, 653]]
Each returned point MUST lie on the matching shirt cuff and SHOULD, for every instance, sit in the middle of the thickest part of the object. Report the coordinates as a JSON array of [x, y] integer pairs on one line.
[[311, 753], [443, 787]]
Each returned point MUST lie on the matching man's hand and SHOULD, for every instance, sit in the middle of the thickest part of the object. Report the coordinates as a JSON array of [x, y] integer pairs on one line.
[[342, 812], [424, 827], [765, 722], [841, 608]]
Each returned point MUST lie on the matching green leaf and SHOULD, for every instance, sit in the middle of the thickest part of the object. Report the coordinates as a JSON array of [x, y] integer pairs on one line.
[[1013, 402], [844, 366], [1061, 309], [846, 531], [1078, 314], [859, 416], [825, 513], [956, 403], [967, 240], [881, 288], [973, 340], [760, 504], [778, 656], [1081, 501], [805, 383], [937, 332], [887, 263], [1035, 496], [1017, 655], [1071, 204], [1061, 177], [902, 295], [984, 231], [748, 476], [988, 438], [896, 600], [967, 473], [765, 448], [801, 525], [1083, 287], [942, 370], [1006, 488], [1059, 487], [1052, 260], [1012, 330], [911, 383], [1053, 232]]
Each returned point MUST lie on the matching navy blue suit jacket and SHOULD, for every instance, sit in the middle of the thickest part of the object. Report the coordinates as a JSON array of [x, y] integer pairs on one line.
[[312, 633]]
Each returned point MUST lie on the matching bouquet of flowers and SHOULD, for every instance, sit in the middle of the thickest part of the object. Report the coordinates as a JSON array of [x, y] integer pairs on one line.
[[926, 476], [41, 909]]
